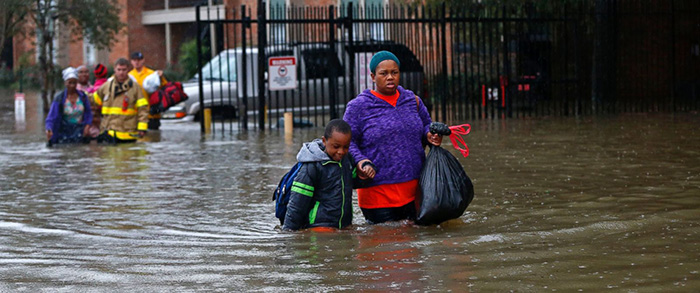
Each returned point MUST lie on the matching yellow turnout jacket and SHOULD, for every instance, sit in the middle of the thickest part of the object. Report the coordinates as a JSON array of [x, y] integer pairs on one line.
[[124, 109]]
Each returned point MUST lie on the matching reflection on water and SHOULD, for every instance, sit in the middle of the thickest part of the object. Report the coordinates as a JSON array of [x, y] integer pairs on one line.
[[561, 205]]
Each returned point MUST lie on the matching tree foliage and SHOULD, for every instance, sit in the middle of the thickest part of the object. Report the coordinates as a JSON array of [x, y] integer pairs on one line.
[[99, 23], [188, 57], [12, 15]]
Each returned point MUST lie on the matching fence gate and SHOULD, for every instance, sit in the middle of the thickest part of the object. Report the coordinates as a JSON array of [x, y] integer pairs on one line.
[[466, 62]]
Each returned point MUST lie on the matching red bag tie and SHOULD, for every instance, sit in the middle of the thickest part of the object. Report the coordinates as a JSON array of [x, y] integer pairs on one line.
[[457, 140]]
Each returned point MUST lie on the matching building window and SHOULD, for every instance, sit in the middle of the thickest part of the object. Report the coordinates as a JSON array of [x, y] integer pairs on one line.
[[89, 52]]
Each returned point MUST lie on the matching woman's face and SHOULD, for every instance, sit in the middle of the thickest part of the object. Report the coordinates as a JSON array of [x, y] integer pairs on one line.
[[83, 75], [386, 77], [71, 84]]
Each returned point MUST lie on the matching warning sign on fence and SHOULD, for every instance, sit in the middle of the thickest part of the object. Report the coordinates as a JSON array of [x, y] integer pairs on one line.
[[282, 72]]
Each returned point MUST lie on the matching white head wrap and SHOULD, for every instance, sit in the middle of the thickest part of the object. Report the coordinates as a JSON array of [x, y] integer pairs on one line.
[[69, 73]]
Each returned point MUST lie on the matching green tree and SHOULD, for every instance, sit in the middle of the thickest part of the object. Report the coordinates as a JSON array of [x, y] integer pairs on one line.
[[94, 20], [188, 57]]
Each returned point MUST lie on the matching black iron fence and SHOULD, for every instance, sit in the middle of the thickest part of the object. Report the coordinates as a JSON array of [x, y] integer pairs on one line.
[[472, 61]]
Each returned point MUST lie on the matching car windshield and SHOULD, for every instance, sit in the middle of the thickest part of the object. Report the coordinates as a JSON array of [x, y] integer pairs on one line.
[[220, 68]]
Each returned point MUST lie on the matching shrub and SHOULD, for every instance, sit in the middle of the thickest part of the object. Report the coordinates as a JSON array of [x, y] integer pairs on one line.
[[188, 57]]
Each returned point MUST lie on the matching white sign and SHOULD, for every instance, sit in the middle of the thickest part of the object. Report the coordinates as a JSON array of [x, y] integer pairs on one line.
[[19, 107], [282, 72]]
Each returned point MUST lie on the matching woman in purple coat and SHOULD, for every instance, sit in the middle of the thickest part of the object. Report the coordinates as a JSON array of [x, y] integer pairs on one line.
[[70, 116], [389, 128]]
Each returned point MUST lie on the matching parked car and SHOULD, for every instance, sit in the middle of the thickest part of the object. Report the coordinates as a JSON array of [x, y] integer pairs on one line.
[[220, 85], [323, 79]]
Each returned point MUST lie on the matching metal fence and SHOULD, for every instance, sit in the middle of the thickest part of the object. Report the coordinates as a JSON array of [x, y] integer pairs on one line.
[[472, 61]]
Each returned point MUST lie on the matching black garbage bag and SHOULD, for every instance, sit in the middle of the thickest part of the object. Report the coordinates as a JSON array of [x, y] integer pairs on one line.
[[446, 190]]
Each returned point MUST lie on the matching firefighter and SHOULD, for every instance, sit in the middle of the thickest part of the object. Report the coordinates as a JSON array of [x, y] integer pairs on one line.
[[124, 108]]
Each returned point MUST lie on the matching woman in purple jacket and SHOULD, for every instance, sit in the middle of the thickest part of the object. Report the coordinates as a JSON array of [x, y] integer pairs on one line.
[[70, 116], [389, 128]]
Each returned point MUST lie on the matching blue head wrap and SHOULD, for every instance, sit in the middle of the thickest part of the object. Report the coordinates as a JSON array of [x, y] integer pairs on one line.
[[382, 56]]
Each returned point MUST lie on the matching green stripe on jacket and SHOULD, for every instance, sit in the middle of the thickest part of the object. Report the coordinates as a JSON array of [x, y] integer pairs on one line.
[[302, 185], [302, 191]]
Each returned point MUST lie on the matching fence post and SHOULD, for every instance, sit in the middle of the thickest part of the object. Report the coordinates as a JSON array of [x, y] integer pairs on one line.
[[603, 56], [673, 56], [242, 77], [443, 35], [333, 78], [199, 68], [506, 65], [262, 43], [349, 25]]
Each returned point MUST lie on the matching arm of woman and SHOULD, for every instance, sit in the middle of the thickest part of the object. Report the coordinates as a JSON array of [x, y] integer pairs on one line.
[[434, 139], [424, 115], [352, 117], [53, 119]]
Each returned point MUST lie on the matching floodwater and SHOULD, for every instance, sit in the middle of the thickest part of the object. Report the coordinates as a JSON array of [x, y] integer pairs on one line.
[[561, 204]]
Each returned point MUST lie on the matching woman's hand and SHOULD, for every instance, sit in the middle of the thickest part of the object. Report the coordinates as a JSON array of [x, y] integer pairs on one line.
[[49, 134], [366, 172], [86, 131], [434, 139]]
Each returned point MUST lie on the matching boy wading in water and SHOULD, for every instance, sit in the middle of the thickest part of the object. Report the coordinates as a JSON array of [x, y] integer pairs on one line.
[[321, 194]]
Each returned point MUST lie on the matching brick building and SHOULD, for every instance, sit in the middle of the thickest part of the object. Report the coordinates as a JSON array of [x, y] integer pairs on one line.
[[155, 27]]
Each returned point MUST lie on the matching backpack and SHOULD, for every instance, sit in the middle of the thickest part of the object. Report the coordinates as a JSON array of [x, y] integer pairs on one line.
[[281, 195], [164, 98]]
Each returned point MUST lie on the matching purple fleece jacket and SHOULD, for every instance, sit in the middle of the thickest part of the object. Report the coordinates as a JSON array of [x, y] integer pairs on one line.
[[55, 116], [391, 137]]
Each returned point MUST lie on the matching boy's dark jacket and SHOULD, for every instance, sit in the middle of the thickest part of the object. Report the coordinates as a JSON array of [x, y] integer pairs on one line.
[[321, 194]]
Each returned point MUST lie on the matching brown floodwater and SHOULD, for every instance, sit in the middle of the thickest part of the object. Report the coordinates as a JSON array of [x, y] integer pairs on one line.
[[561, 204]]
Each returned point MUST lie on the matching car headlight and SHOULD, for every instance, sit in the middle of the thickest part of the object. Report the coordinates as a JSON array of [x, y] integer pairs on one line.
[[175, 112]]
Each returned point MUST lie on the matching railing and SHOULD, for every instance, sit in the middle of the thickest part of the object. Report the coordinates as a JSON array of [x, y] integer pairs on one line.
[[474, 61]]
